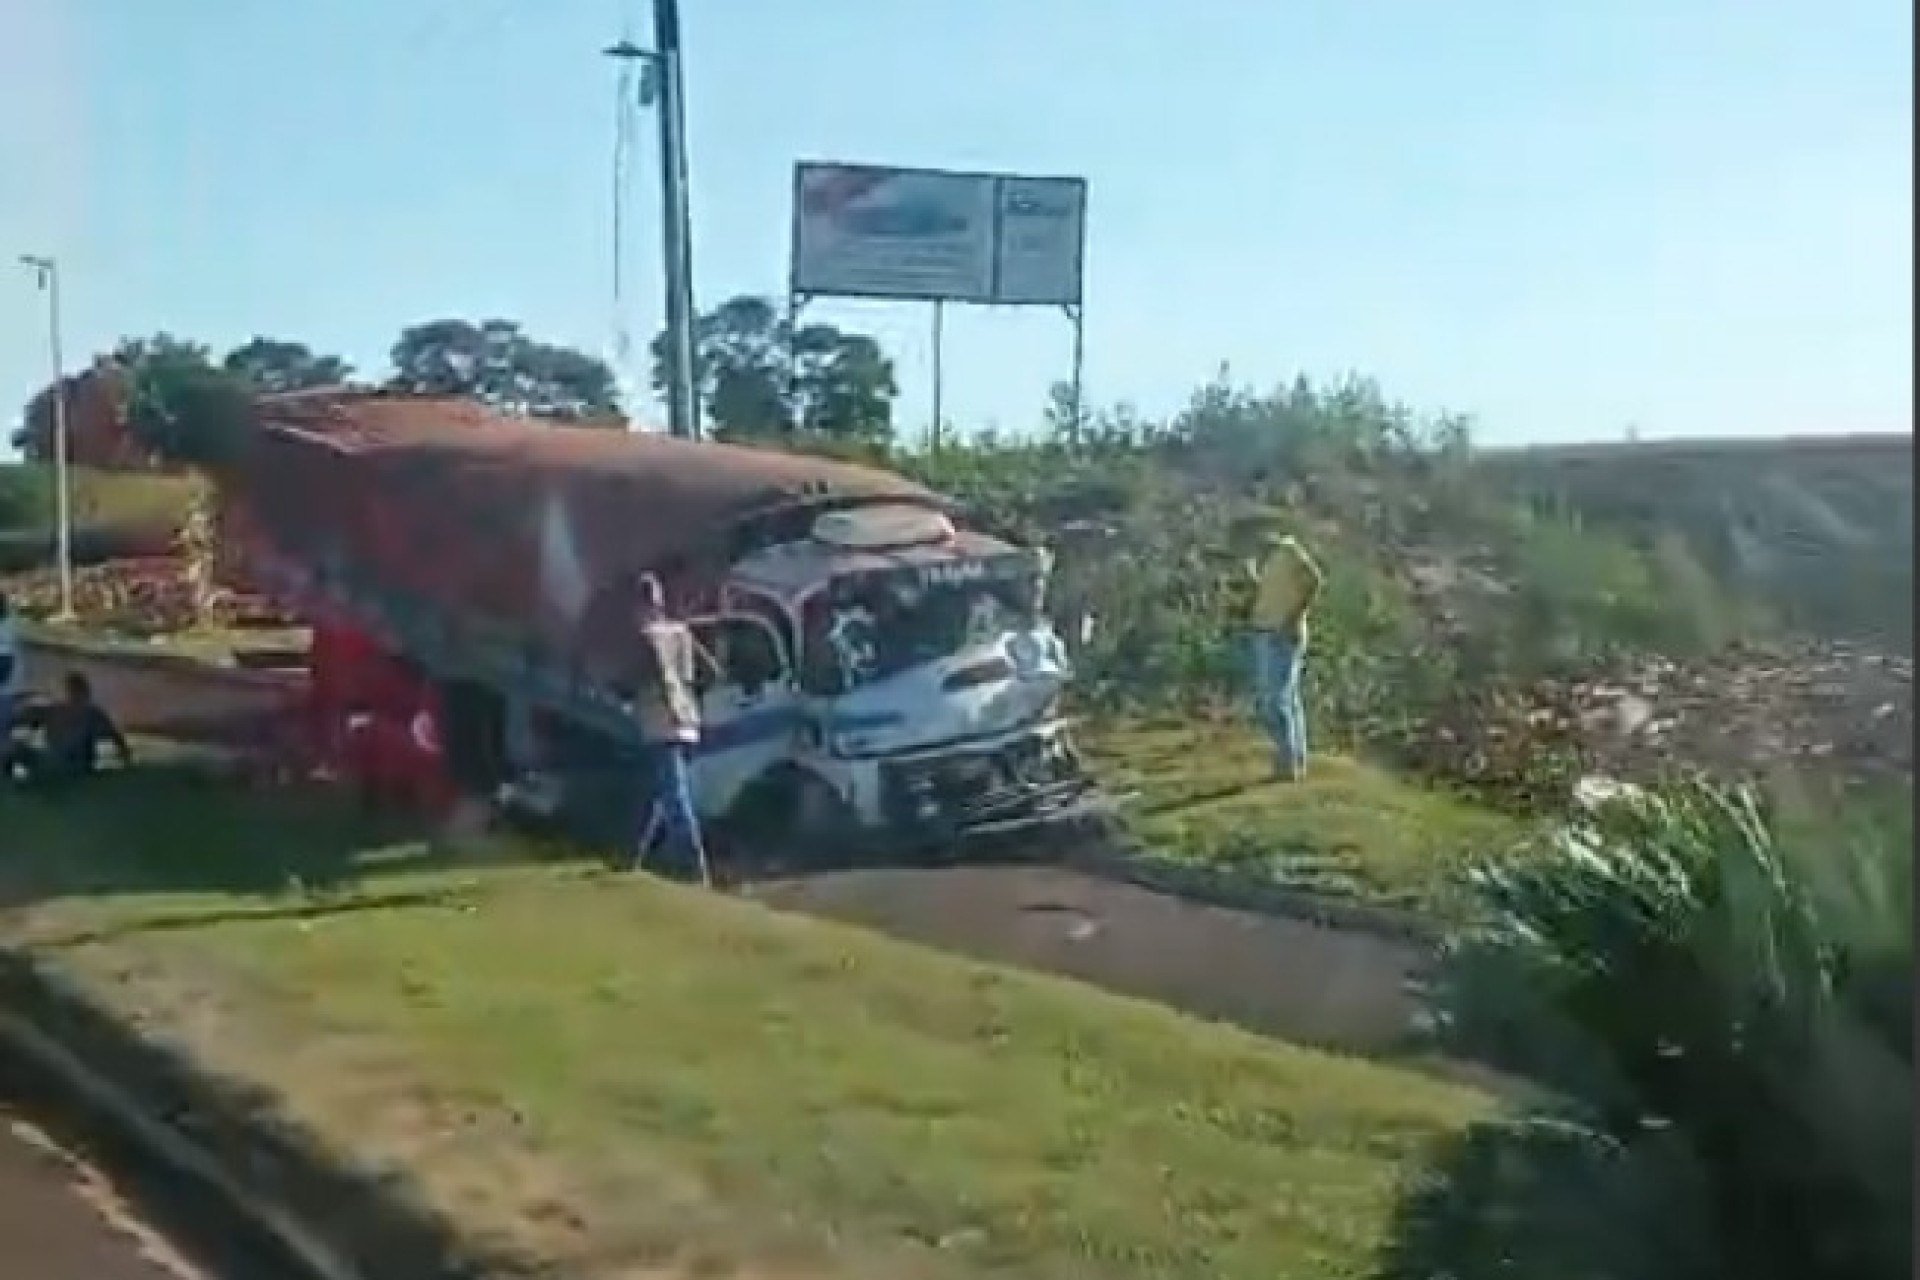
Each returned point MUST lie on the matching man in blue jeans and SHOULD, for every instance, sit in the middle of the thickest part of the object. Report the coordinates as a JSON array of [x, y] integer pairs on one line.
[[1285, 588], [668, 710]]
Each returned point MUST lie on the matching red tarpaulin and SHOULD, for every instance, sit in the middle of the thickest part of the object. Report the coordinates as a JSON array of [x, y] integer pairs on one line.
[[515, 524]]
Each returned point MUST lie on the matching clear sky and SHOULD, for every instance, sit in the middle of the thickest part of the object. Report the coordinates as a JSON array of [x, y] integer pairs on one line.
[[1562, 216]]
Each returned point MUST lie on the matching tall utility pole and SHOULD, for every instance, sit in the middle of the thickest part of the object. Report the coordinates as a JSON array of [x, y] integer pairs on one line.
[[46, 273], [683, 402], [663, 88]]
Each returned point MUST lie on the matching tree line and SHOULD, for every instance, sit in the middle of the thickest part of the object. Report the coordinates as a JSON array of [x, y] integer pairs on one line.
[[760, 376]]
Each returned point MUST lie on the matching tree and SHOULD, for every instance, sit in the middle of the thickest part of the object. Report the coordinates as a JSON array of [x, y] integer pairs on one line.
[[761, 379], [34, 436], [109, 425], [275, 365], [1065, 416], [843, 385], [496, 362], [179, 403], [743, 366]]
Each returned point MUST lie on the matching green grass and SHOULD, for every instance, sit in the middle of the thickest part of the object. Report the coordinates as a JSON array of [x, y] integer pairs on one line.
[[614, 1071], [108, 498], [1206, 794]]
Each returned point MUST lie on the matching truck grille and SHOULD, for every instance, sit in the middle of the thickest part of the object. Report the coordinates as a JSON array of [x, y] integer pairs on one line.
[[970, 787]]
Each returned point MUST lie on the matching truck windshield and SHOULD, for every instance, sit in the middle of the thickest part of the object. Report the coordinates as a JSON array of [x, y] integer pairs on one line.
[[869, 627]]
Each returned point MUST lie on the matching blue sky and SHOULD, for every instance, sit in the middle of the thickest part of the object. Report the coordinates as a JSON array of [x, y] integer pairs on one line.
[[1691, 216]]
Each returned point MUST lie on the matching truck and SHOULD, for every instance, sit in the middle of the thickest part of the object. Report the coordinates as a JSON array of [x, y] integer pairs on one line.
[[884, 672]]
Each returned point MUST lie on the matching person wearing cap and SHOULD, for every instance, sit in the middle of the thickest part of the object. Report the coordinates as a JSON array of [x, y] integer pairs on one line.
[[668, 711], [1286, 585]]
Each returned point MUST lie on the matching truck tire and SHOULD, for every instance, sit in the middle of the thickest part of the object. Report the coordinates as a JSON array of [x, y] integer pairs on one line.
[[473, 733], [792, 819]]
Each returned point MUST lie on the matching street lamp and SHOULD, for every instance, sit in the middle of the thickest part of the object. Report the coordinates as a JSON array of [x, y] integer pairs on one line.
[[660, 87], [46, 273]]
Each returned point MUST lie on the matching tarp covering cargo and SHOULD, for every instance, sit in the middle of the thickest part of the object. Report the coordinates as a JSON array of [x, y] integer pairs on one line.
[[512, 525]]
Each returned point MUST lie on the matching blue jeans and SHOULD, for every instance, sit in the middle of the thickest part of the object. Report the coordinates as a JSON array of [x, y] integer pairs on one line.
[[1276, 684], [670, 814]]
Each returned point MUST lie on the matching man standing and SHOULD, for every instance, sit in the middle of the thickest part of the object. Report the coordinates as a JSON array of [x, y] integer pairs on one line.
[[668, 711], [1285, 588]]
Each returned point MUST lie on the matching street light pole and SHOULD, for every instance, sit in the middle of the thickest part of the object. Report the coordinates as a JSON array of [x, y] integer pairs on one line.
[[46, 272], [663, 87], [683, 406]]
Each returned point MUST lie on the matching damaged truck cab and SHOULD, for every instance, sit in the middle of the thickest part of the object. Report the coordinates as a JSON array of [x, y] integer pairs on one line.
[[913, 676], [887, 678]]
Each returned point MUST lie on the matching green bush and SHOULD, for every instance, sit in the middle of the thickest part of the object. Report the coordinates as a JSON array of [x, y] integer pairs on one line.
[[1723, 989], [26, 499]]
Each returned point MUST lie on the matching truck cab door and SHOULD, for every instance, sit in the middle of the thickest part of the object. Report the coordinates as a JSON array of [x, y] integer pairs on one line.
[[748, 707]]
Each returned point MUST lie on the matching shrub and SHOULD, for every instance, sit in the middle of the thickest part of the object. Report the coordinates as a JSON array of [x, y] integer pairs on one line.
[[1724, 988]]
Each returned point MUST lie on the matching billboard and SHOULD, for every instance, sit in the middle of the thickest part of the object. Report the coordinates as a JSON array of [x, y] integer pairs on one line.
[[865, 231]]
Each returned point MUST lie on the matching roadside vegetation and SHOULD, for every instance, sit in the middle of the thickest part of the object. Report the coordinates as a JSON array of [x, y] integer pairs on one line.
[[1720, 994]]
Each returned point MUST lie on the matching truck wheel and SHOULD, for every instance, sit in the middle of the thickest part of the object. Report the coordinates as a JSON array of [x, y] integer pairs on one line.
[[791, 819]]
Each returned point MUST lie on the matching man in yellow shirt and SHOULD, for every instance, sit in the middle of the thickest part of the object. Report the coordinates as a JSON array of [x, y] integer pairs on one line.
[[1285, 588]]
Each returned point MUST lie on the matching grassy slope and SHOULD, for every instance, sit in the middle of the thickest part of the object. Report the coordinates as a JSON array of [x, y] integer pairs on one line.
[[1205, 793], [611, 1069], [1822, 529]]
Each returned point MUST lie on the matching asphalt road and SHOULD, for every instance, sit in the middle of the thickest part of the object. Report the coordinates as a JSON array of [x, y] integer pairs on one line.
[[62, 1219]]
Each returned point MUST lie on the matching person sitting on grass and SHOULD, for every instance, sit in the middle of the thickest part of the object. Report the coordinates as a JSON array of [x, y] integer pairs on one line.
[[71, 731]]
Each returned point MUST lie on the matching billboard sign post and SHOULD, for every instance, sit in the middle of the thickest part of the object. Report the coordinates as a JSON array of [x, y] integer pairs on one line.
[[930, 235]]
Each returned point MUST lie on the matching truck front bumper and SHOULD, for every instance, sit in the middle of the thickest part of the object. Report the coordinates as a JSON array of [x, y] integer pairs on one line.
[[1024, 786]]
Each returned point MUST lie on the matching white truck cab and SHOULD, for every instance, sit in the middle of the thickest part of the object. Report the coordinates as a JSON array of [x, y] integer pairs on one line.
[[887, 676]]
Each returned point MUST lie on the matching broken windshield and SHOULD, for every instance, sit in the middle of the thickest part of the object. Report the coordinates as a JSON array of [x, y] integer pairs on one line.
[[871, 626]]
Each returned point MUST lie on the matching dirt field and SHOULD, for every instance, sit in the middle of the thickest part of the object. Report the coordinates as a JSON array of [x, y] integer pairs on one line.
[[1307, 983]]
